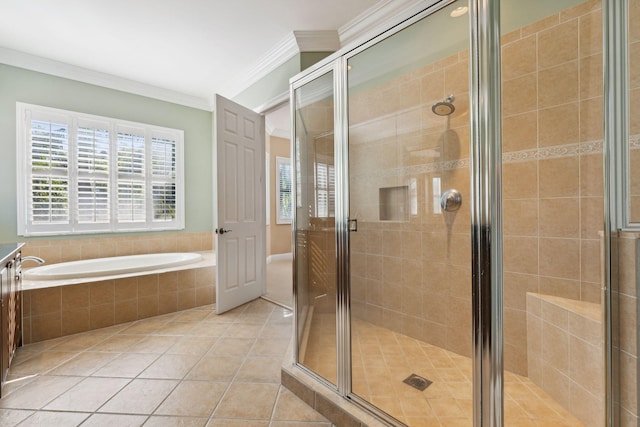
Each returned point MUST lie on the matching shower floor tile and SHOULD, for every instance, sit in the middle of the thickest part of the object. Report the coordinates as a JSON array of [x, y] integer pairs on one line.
[[382, 359]]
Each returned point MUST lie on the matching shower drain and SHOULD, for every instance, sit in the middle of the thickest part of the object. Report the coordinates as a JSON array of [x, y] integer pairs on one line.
[[417, 382]]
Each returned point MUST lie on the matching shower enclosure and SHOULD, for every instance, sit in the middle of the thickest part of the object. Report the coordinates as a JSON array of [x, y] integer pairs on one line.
[[452, 244]]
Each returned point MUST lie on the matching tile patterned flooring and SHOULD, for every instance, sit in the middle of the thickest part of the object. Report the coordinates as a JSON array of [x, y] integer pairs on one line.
[[197, 368], [190, 368], [382, 359]]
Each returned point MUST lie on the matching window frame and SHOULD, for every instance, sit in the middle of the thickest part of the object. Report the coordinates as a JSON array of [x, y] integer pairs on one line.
[[75, 120], [279, 217]]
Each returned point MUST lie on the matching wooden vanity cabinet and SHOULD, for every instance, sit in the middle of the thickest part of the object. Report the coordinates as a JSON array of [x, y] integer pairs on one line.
[[10, 308]]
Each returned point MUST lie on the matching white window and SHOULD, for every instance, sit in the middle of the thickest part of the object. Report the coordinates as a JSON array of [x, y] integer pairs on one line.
[[79, 173], [284, 198], [325, 190]]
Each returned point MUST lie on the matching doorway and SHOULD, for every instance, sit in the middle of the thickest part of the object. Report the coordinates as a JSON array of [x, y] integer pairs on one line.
[[279, 280]]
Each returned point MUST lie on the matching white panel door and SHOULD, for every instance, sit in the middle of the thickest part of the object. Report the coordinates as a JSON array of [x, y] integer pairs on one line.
[[239, 205]]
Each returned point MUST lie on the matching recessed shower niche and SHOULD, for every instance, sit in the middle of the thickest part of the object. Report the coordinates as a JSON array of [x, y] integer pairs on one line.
[[394, 203]]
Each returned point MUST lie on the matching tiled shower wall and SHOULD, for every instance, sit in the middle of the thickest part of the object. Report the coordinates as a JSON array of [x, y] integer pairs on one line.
[[625, 342], [414, 276]]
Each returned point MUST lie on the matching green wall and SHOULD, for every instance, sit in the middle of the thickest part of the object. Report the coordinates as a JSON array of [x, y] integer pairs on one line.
[[20, 85]]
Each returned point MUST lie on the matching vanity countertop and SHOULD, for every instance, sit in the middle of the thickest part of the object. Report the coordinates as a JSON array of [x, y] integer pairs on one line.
[[8, 249]]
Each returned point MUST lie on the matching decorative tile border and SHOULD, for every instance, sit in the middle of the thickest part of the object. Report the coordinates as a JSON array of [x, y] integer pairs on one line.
[[558, 151]]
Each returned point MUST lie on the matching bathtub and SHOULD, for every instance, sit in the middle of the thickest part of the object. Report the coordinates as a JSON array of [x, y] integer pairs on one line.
[[79, 296], [105, 267]]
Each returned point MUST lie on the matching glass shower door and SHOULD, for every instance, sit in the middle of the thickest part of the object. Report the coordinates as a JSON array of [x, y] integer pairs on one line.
[[314, 226], [409, 190]]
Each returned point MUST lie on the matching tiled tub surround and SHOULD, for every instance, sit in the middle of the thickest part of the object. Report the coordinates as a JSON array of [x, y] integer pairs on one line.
[[57, 308], [565, 354], [62, 250], [413, 277]]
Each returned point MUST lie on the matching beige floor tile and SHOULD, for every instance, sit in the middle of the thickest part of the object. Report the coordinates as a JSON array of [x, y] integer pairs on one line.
[[260, 370], [88, 395], [276, 331], [170, 366], [246, 362], [232, 347], [423, 422], [191, 316], [162, 421], [456, 422], [126, 365], [153, 344], [145, 327], [175, 328], [208, 329], [299, 424], [81, 341], [23, 355], [244, 330], [46, 345], [11, 417], [217, 422], [196, 346], [47, 418], [39, 392], [234, 403], [117, 343], [270, 347], [84, 364], [290, 408], [112, 420], [192, 398], [43, 362], [215, 368], [140, 396]]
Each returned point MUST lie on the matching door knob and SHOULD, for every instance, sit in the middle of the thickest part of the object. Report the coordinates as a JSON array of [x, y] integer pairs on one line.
[[222, 231]]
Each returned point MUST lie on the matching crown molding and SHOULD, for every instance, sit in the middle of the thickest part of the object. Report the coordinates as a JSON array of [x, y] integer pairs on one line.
[[317, 41], [278, 55], [278, 132], [381, 15], [294, 43], [60, 69]]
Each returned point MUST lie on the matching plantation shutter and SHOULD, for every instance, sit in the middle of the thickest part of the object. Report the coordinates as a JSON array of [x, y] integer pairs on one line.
[[92, 156], [49, 183], [131, 177], [325, 190], [285, 206], [163, 178], [80, 173]]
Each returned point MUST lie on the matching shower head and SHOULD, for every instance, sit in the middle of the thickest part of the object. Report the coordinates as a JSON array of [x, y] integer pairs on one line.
[[444, 108]]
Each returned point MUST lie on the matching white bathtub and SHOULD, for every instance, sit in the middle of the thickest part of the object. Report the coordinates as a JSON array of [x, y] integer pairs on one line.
[[111, 266]]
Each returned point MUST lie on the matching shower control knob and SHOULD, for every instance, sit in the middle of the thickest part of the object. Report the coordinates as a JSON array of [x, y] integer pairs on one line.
[[451, 200]]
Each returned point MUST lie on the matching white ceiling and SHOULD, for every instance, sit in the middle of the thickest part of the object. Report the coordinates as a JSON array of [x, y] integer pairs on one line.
[[192, 47]]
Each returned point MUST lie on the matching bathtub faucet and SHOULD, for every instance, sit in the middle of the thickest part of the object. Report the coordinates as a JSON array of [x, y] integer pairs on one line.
[[33, 258]]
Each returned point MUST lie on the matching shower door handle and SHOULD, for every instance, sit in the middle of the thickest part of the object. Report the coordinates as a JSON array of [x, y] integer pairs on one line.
[[353, 225]]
